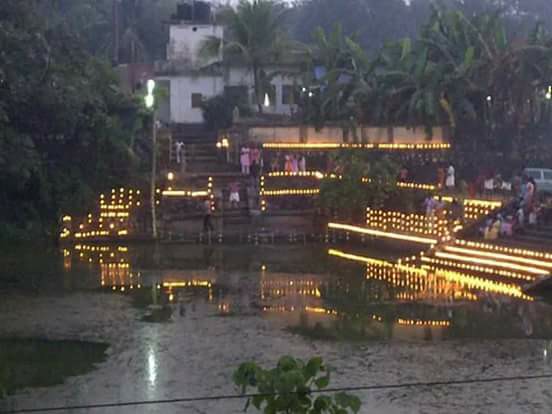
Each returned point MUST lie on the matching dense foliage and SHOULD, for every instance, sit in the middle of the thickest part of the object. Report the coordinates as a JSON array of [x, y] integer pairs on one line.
[[288, 388], [218, 111], [363, 180], [65, 126], [67, 131], [471, 73]]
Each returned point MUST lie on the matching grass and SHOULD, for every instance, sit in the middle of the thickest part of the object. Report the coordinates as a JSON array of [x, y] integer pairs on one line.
[[29, 363]]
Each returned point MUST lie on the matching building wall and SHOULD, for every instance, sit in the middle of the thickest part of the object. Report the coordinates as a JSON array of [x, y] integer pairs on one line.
[[180, 96], [334, 134], [274, 134], [185, 42], [327, 134]]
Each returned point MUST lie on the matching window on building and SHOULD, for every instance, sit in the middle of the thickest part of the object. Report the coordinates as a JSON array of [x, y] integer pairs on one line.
[[197, 98], [288, 94]]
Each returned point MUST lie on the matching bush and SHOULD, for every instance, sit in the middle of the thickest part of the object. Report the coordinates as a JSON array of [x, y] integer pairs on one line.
[[289, 388], [218, 111]]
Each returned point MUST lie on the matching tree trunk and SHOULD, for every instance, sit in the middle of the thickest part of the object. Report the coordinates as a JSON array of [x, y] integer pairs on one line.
[[257, 86], [115, 33]]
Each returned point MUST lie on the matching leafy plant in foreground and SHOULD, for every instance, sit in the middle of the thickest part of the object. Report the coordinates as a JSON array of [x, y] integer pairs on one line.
[[289, 388]]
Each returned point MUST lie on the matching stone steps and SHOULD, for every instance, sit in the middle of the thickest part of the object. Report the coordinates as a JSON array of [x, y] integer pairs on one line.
[[491, 261]]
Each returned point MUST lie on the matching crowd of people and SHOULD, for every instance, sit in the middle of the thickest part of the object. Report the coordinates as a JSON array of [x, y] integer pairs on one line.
[[525, 212], [251, 160]]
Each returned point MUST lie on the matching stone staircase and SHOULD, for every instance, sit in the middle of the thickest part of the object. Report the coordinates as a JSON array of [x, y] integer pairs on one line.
[[200, 150], [491, 261]]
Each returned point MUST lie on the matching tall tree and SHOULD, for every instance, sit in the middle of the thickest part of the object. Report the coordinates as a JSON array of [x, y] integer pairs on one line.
[[64, 124], [255, 36]]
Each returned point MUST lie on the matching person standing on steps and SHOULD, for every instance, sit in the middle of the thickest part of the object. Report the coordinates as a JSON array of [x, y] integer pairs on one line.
[[450, 182], [287, 166], [179, 149], [234, 195], [302, 164], [207, 218], [245, 160], [294, 163], [254, 155]]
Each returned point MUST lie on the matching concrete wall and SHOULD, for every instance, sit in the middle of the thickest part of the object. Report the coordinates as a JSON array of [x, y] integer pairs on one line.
[[180, 95], [333, 134], [328, 134], [375, 135], [185, 42], [274, 134]]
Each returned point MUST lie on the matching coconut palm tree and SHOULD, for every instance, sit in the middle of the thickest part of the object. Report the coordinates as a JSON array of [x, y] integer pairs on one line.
[[255, 36]]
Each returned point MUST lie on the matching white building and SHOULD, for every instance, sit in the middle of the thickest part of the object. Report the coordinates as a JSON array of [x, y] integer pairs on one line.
[[189, 79]]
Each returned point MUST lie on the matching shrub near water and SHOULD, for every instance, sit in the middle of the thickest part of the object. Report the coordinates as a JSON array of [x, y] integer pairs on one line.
[[41, 363], [288, 388]]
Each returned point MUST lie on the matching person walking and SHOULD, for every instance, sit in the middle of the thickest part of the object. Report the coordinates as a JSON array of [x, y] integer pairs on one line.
[[207, 222]]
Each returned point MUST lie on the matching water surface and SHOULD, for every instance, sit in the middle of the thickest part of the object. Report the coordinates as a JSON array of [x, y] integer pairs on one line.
[[295, 287]]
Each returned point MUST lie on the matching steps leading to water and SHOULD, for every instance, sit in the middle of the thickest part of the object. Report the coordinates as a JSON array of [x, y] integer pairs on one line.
[[491, 261]]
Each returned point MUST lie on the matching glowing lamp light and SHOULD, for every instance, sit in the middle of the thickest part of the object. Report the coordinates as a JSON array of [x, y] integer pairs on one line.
[[149, 98], [266, 100], [150, 86], [489, 98], [170, 176], [149, 101]]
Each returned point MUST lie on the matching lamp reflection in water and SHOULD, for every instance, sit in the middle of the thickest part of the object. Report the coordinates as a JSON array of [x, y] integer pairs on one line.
[[152, 367]]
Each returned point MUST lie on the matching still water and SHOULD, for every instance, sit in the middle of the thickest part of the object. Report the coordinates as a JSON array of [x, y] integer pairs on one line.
[[303, 289]]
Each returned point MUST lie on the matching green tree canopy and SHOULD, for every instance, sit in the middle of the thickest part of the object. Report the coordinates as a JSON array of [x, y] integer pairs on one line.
[[65, 127]]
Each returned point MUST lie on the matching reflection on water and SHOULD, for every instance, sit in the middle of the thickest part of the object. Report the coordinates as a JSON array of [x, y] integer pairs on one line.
[[320, 293]]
